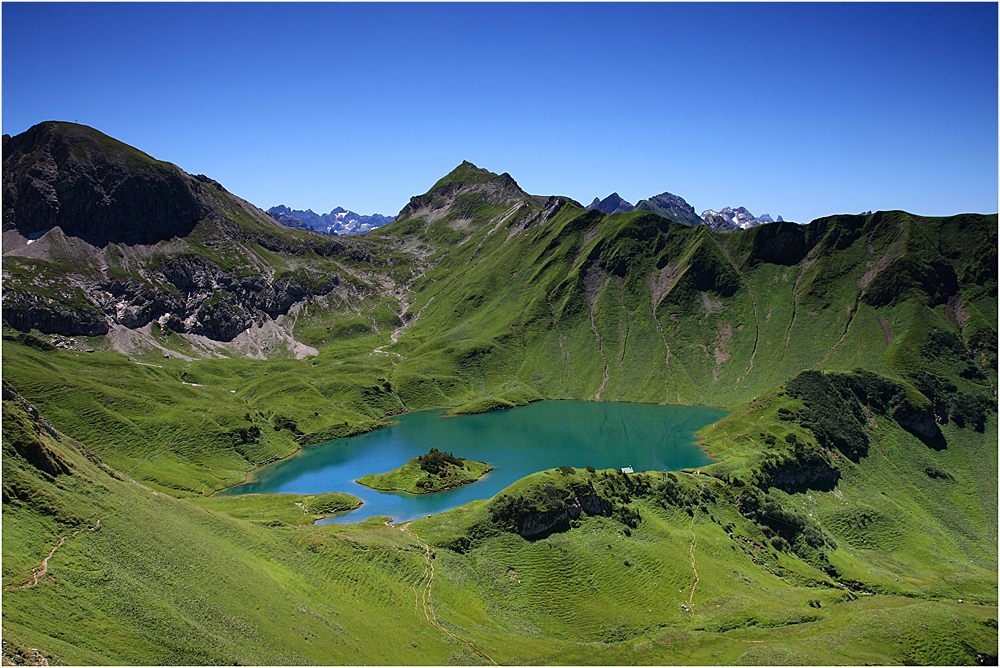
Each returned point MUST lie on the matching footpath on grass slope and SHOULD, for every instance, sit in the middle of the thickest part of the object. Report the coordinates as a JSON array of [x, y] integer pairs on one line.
[[422, 595], [40, 570], [694, 542]]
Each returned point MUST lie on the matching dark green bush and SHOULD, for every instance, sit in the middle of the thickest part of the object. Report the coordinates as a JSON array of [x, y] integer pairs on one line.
[[835, 406], [970, 409], [434, 461], [284, 422], [941, 343], [950, 404]]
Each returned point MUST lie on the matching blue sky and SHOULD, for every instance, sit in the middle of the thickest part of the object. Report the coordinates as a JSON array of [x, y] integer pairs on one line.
[[802, 110]]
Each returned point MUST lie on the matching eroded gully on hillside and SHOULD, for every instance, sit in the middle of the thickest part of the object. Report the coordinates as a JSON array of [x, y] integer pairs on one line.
[[753, 302]]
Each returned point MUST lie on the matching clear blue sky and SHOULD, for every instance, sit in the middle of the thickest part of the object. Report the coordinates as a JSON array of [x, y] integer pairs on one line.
[[802, 110]]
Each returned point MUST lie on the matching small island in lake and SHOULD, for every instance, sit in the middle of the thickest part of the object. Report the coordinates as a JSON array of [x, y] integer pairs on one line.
[[434, 472]]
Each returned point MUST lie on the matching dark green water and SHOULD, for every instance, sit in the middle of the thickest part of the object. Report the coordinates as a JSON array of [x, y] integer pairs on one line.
[[516, 442]]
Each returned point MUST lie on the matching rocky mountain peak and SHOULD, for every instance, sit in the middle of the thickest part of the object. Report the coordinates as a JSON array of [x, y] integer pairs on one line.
[[95, 187], [669, 200], [465, 173], [670, 206], [613, 203], [476, 186], [87, 204]]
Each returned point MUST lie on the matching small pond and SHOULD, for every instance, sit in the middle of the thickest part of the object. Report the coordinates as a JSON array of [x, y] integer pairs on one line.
[[516, 442]]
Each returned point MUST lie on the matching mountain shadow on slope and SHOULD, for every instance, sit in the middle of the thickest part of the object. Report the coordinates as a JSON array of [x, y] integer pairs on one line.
[[94, 187]]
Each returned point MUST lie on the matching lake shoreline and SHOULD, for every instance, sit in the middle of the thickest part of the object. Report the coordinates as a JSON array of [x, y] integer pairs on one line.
[[603, 434]]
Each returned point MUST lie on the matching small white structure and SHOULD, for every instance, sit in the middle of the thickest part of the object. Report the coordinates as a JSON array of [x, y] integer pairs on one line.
[[628, 469]]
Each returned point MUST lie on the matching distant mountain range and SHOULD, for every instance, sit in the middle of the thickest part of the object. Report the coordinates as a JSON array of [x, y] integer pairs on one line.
[[339, 222], [738, 218], [675, 208]]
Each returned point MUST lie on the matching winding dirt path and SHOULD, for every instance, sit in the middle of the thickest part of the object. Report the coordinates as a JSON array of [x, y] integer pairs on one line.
[[422, 596], [694, 543], [40, 570]]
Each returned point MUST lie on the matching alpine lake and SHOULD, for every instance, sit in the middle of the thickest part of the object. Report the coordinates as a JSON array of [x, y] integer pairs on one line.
[[516, 442]]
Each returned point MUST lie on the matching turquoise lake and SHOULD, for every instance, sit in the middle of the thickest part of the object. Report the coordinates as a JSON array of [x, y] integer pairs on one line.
[[516, 442]]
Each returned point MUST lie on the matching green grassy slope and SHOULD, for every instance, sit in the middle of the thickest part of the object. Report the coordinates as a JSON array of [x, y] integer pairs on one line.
[[847, 515], [197, 427], [143, 578], [634, 307], [681, 572], [662, 568]]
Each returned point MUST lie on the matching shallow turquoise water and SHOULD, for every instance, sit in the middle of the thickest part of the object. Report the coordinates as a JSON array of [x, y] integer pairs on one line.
[[516, 442]]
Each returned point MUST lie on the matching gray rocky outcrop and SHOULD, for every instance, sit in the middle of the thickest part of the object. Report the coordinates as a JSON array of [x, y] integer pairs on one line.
[[26, 310], [797, 474], [194, 295], [916, 420], [113, 228], [540, 523]]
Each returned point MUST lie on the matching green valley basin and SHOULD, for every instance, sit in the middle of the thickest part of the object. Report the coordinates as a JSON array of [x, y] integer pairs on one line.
[[515, 442]]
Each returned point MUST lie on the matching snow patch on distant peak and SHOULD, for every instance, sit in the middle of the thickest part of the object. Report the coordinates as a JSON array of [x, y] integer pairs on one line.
[[738, 217]]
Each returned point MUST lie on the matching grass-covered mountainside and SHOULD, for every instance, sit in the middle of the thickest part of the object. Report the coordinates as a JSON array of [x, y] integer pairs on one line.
[[434, 472], [151, 359]]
